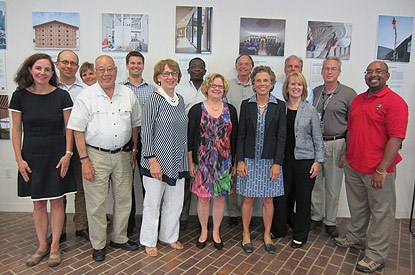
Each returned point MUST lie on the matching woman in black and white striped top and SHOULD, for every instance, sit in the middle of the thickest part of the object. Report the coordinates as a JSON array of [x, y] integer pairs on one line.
[[164, 161]]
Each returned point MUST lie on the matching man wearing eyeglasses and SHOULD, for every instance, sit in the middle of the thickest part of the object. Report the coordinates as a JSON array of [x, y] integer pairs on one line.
[[134, 62], [105, 118], [375, 130], [192, 95], [332, 101], [67, 64]]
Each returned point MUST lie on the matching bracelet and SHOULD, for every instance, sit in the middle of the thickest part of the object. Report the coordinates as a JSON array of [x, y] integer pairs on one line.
[[86, 157], [69, 152], [381, 173]]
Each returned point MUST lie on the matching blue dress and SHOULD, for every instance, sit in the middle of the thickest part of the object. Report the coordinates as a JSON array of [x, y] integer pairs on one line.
[[258, 183]]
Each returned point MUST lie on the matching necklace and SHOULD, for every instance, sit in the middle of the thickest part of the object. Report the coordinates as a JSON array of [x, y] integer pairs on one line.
[[262, 106]]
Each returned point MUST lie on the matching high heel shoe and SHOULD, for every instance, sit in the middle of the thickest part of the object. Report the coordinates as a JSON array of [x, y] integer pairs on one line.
[[200, 244], [218, 246]]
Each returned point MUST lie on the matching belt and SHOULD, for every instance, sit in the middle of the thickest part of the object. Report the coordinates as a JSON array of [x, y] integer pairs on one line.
[[106, 150], [333, 137]]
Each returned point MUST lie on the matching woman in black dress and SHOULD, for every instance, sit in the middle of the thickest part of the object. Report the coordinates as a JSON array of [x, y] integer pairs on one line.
[[42, 111]]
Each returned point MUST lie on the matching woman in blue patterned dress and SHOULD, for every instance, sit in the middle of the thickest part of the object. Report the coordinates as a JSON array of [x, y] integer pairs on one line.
[[260, 153], [212, 134]]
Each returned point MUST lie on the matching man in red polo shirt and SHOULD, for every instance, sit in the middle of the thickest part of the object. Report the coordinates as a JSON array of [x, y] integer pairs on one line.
[[376, 128]]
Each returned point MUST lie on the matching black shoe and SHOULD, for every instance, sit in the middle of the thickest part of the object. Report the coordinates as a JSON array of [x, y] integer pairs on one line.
[[183, 225], [296, 244], [61, 239], [218, 246], [201, 245], [98, 254], [233, 221], [83, 233], [129, 245], [332, 231], [270, 248], [315, 224], [248, 248]]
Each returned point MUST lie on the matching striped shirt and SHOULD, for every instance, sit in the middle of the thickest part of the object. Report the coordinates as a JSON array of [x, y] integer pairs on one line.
[[142, 91], [164, 136]]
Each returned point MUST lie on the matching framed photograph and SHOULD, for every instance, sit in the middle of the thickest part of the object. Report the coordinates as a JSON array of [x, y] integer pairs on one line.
[[2, 25], [394, 38], [259, 36], [193, 29], [4, 117], [124, 32], [55, 30], [328, 39]]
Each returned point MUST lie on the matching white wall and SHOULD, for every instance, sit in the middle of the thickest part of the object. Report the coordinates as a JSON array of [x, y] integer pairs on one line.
[[225, 39]]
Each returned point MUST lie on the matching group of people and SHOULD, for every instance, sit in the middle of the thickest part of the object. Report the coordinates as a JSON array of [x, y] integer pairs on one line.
[[250, 136]]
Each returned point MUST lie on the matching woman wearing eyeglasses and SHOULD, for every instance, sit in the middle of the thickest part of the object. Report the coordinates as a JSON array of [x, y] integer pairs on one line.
[[164, 162], [212, 137], [260, 153]]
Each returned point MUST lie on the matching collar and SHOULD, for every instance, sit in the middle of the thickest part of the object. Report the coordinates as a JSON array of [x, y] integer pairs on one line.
[[272, 99], [381, 93], [127, 81], [240, 83], [77, 82]]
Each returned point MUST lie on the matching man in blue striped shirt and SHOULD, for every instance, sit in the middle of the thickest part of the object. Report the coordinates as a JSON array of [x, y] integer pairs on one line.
[[135, 66]]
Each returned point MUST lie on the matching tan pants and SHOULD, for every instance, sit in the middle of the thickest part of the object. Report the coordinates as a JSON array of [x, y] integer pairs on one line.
[[118, 168]]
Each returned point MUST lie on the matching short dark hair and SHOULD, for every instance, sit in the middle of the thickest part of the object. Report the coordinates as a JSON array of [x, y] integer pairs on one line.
[[23, 77], [197, 58], [250, 58], [133, 53], [59, 55]]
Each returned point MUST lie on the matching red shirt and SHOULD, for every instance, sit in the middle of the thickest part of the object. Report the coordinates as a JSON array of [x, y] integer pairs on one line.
[[372, 121]]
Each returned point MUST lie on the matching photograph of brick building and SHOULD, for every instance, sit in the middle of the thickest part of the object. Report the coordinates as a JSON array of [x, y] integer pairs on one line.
[[56, 30]]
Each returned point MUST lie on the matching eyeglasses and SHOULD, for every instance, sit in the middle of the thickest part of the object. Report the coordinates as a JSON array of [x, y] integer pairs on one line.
[[377, 72], [214, 86], [109, 70], [173, 74], [66, 63], [332, 69]]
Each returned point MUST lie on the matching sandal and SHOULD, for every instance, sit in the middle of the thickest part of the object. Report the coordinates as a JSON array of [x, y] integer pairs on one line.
[[176, 245], [36, 258], [152, 251], [55, 261]]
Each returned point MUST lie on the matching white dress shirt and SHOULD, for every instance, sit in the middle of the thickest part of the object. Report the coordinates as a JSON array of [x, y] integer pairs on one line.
[[107, 122]]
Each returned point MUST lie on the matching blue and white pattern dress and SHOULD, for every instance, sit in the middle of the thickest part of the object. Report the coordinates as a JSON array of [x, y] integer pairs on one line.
[[258, 183]]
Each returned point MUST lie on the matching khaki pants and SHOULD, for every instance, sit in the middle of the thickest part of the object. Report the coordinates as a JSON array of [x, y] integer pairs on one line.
[[118, 168], [326, 191], [372, 212]]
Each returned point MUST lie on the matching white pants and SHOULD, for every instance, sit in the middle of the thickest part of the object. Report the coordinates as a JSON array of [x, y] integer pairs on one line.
[[172, 197]]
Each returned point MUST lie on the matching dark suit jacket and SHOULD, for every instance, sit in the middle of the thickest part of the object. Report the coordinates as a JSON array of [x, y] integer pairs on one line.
[[274, 136]]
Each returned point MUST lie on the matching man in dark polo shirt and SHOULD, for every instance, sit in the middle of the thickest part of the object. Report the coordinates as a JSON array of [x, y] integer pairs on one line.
[[332, 100]]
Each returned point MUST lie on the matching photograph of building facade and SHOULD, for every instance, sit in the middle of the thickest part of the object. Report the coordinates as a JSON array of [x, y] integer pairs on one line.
[[55, 34]]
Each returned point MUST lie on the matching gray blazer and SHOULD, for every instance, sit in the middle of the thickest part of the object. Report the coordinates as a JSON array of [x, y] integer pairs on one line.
[[308, 136]]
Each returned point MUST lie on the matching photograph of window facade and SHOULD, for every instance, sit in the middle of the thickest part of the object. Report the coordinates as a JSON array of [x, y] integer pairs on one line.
[[55, 30], [260, 36], [193, 29], [124, 32]]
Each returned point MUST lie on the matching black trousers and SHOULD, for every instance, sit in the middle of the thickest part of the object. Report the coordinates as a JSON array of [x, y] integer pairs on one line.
[[298, 190]]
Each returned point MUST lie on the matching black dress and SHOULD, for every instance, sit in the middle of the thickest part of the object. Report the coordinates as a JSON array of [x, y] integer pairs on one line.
[[43, 143]]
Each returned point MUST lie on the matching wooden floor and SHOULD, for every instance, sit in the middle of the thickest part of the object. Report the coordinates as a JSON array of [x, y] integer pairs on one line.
[[318, 256]]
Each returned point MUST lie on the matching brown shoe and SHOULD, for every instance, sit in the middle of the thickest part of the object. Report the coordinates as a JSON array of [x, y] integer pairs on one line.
[[368, 265], [36, 258]]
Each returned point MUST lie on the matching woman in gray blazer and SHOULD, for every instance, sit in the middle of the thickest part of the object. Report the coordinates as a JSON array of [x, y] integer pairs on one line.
[[303, 154]]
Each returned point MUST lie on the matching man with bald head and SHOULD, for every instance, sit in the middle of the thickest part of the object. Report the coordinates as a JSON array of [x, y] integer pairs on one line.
[[67, 64], [375, 131], [105, 118]]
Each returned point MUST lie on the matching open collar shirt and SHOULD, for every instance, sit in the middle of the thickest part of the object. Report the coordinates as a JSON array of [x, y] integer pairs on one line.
[[107, 122]]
